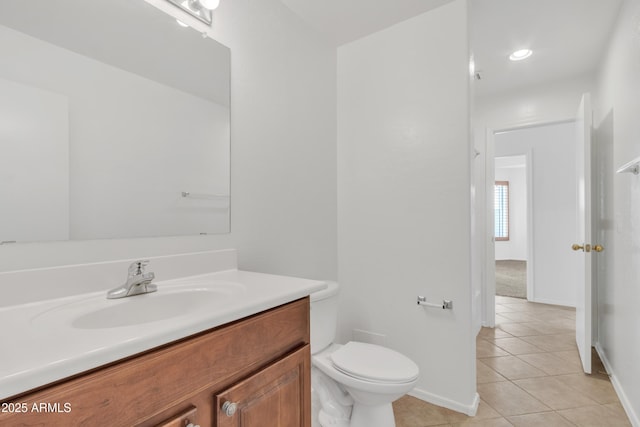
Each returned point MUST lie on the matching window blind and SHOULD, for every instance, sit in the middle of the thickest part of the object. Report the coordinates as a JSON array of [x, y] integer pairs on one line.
[[501, 200]]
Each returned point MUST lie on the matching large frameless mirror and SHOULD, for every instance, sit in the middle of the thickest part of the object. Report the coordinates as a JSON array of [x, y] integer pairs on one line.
[[114, 123]]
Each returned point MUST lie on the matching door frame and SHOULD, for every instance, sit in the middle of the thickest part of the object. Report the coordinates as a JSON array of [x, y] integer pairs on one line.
[[489, 285], [489, 288]]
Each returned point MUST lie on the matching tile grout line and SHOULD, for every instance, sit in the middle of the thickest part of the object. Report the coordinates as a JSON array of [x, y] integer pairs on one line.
[[559, 357]]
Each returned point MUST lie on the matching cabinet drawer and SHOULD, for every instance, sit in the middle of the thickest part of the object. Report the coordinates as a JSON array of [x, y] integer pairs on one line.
[[184, 419]]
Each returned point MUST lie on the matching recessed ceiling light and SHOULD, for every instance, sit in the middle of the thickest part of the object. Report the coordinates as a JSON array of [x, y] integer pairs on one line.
[[521, 54]]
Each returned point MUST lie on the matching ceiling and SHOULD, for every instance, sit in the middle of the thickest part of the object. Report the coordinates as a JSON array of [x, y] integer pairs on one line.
[[343, 21], [567, 36]]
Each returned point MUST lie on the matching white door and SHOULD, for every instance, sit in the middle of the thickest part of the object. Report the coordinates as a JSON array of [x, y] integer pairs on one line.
[[583, 231]]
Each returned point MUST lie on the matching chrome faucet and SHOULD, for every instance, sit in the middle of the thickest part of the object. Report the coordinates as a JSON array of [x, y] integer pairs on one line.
[[138, 282]]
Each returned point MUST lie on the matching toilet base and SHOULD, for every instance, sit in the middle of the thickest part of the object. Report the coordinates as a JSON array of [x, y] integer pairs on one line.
[[372, 416]]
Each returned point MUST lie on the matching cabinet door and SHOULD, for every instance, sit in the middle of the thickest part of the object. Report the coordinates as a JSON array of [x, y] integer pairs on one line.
[[277, 396]]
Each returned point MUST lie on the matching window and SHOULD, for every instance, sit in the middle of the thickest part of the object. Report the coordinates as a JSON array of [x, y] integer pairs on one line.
[[501, 200]]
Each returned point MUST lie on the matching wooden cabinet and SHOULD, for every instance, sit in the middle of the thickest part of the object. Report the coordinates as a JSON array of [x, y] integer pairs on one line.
[[275, 396], [260, 363], [187, 418]]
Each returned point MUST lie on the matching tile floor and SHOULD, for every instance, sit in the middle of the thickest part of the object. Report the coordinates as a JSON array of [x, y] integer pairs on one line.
[[529, 374]]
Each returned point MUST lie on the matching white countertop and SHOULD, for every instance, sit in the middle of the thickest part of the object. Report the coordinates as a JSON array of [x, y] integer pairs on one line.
[[40, 345]]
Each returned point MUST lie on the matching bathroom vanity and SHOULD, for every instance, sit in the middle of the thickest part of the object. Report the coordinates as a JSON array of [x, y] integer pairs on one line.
[[239, 374], [240, 357]]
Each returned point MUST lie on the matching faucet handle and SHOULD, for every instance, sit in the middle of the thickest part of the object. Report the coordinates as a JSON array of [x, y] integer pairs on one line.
[[136, 268]]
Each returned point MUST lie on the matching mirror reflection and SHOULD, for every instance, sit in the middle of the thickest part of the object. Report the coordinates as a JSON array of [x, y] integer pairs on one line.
[[114, 123]]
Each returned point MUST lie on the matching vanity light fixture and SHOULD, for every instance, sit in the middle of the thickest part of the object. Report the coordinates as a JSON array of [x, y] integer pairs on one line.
[[521, 54], [182, 24], [200, 9], [210, 4]]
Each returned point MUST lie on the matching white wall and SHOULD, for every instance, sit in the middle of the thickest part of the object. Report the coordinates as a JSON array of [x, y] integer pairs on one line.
[[552, 102], [516, 247], [617, 109], [404, 198], [34, 165], [553, 173], [283, 162]]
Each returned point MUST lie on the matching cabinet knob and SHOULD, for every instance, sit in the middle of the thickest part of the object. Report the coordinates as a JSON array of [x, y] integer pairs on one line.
[[192, 425], [229, 408]]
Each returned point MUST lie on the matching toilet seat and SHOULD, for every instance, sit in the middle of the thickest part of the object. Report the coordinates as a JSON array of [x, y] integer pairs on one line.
[[374, 363]]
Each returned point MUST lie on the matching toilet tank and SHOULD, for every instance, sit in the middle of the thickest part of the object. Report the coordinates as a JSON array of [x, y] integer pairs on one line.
[[324, 317]]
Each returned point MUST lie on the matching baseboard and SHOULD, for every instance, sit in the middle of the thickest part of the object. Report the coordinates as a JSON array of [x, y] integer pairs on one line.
[[624, 400], [553, 302], [470, 409]]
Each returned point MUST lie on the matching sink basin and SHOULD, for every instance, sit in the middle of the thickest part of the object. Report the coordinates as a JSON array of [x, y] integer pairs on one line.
[[148, 308], [169, 302]]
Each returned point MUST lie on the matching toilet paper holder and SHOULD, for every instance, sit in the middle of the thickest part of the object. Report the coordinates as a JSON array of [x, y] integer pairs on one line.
[[446, 303]]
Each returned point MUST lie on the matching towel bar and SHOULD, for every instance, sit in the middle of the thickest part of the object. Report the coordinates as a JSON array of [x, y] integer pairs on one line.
[[446, 304]]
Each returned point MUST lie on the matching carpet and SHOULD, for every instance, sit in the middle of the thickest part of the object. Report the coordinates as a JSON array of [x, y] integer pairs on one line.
[[511, 278]]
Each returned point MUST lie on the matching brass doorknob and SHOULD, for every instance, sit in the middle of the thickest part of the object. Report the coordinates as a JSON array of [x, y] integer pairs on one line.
[[587, 248]]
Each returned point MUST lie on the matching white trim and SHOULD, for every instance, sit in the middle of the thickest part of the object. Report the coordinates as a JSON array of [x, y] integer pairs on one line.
[[552, 302], [624, 400], [534, 125], [530, 243], [470, 409], [489, 297]]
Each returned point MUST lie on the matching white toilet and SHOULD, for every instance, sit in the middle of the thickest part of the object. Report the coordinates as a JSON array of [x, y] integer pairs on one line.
[[354, 384]]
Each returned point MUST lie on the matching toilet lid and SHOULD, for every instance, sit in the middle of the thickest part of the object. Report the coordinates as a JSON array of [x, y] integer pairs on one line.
[[374, 363]]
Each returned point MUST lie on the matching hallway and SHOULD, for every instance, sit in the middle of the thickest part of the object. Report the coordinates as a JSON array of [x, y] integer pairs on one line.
[[529, 374]]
